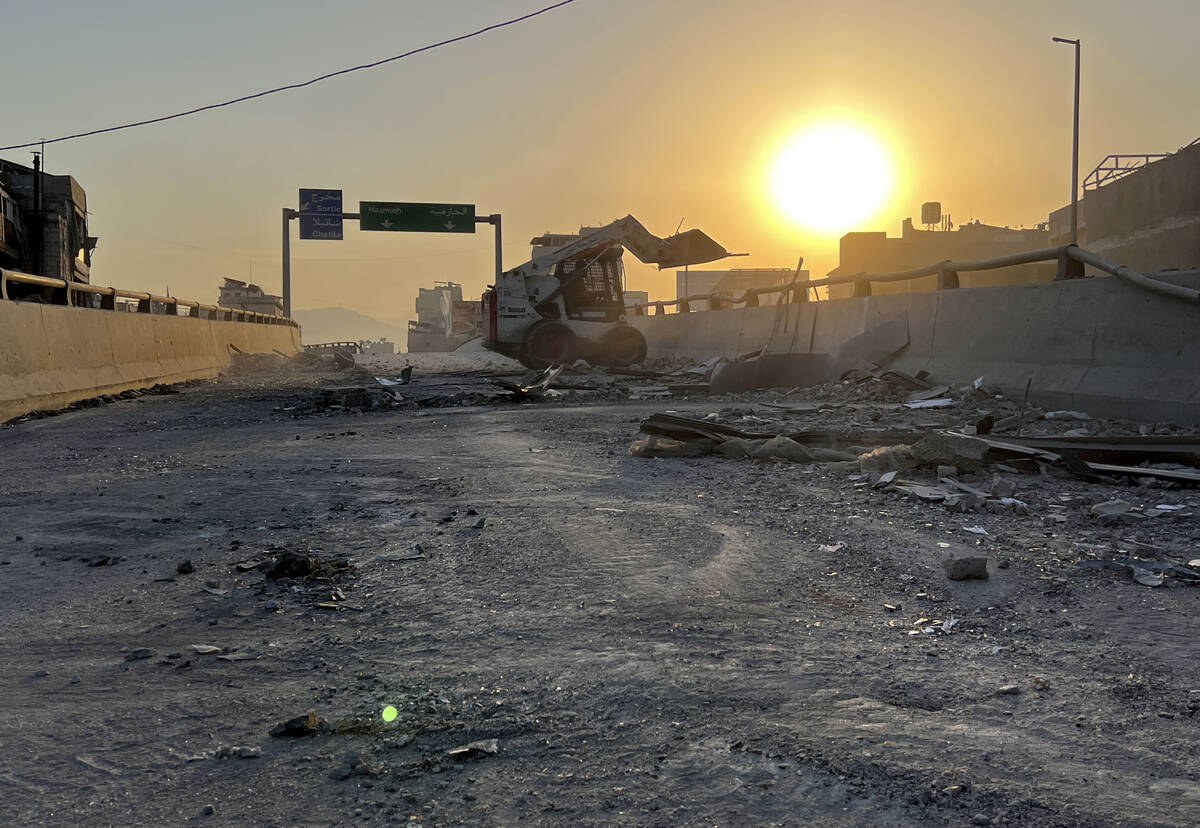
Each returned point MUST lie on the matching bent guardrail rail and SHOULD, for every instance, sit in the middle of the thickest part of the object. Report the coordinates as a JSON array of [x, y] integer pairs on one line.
[[1071, 260], [61, 292]]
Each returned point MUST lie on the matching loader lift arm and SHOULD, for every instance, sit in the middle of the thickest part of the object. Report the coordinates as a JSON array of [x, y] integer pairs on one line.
[[688, 248], [567, 303]]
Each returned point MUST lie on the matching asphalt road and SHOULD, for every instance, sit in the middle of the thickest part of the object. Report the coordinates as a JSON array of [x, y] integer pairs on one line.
[[648, 642]]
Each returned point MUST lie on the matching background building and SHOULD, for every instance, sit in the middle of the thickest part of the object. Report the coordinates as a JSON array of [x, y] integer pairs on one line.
[[876, 252], [444, 320], [50, 239], [733, 283], [241, 296]]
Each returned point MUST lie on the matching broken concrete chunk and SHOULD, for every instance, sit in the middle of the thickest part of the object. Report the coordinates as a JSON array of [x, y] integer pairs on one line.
[[305, 725], [736, 448], [783, 448], [656, 446], [887, 458], [947, 448], [966, 567], [1111, 508], [482, 747], [1003, 488]]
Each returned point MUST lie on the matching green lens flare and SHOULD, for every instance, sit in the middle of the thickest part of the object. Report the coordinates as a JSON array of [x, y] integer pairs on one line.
[[390, 713]]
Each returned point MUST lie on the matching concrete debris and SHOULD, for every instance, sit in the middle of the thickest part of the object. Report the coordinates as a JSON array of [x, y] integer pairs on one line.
[[185, 568], [966, 567], [306, 725], [942, 402], [655, 446], [532, 384], [888, 459], [950, 449], [1066, 415], [1112, 508], [770, 371], [483, 747], [1003, 488], [353, 764], [1147, 573]]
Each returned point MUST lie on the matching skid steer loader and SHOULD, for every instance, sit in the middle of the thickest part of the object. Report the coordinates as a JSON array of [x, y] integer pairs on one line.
[[568, 302]]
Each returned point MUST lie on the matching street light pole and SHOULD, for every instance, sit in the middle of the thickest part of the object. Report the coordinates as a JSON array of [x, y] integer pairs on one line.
[[1074, 147]]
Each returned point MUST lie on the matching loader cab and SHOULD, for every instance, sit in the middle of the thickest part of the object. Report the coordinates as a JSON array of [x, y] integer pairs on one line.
[[597, 295]]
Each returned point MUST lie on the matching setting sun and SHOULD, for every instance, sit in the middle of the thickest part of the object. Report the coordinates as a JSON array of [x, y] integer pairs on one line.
[[831, 177]]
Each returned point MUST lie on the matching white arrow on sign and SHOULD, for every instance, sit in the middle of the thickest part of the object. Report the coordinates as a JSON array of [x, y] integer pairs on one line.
[[386, 224], [449, 225]]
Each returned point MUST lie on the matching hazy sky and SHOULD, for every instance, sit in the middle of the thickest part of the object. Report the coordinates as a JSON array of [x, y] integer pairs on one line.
[[667, 109]]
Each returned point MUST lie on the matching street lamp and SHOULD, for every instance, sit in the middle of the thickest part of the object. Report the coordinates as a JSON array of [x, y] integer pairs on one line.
[[1074, 147]]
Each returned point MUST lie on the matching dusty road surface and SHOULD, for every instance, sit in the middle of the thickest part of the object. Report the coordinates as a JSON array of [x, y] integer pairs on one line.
[[565, 634]]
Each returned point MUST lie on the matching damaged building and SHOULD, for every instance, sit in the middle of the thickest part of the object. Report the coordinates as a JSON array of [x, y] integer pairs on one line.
[[44, 230], [445, 321], [249, 297]]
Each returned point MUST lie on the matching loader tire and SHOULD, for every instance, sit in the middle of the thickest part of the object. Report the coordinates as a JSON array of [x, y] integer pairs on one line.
[[548, 343], [623, 346]]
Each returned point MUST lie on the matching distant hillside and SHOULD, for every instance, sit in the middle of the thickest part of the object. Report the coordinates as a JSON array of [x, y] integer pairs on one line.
[[345, 325]]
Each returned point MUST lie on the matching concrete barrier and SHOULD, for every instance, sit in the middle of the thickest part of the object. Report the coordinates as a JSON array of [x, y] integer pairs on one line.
[[1101, 345], [53, 355]]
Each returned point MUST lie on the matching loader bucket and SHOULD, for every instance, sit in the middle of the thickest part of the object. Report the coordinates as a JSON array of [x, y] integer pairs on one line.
[[687, 248]]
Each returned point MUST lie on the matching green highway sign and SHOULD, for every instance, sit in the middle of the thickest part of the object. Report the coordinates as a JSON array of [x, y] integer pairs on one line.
[[408, 217]]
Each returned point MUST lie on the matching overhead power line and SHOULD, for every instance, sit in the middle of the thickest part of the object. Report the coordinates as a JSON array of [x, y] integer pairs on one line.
[[264, 93]]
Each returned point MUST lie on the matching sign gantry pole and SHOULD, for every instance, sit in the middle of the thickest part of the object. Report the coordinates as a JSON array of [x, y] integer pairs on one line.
[[321, 217]]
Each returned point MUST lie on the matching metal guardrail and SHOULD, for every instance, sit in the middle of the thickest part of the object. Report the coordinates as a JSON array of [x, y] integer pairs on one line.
[[1070, 258], [61, 292], [352, 347]]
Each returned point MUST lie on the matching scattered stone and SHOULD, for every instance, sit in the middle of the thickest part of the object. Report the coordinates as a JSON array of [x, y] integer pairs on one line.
[[99, 560], [209, 810], [305, 725], [478, 523], [1009, 690], [947, 471], [139, 654], [1111, 508], [353, 765], [966, 567], [271, 606], [1003, 488], [981, 819], [483, 747], [887, 459], [185, 568], [950, 449], [237, 752], [657, 446], [204, 649]]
